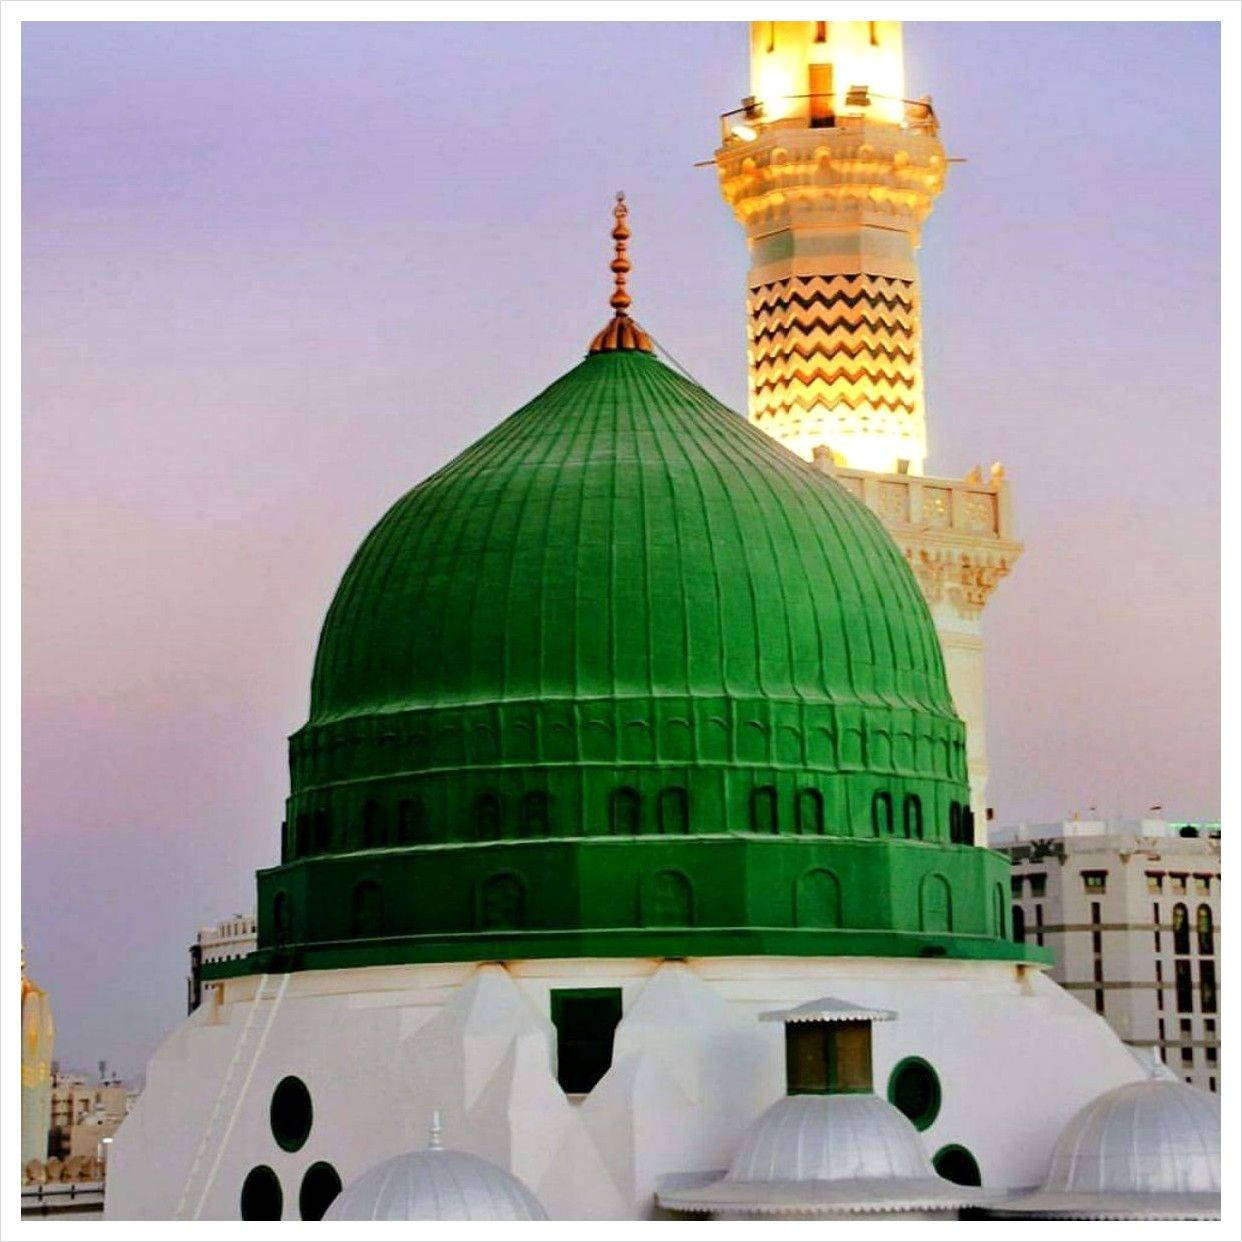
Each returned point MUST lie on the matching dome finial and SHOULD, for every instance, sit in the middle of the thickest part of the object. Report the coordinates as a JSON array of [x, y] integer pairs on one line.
[[622, 332]]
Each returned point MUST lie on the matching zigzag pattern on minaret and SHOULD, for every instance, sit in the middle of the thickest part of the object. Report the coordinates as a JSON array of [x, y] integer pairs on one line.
[[833, 355]]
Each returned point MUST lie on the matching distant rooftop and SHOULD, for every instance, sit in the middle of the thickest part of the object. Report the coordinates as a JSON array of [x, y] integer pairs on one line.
[[1018, 834]]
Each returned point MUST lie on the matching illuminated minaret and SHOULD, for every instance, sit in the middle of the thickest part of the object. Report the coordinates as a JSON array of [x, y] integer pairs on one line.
[[831, 172]]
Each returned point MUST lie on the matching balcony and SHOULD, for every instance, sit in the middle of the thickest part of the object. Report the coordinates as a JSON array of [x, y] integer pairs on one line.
[[856, 108]]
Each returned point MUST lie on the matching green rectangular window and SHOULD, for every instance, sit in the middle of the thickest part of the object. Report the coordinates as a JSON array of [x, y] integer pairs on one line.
[[585, 1020]]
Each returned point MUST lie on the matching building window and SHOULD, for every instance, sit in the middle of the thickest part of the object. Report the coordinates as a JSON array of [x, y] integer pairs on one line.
[[912, 817], [1212, 1085], [763, 817], [882, 813], [914, 1089], [1181, 929], [827, 1058], [1155, 918], [1039, 924], [1212, 1049], [411, 821], [625, 811], [811, 813], [1099, 1000], [1163, 1040], [673, 811], [1177, 882], [1159, 984], [1203, 885], [1093, 881], [1097, 938], [585, 1020], [323, 831], [1039, 883], [821, 32], [487, 817], [1019, 924], [1155, 881], [371, 828], [1015, 885], [1205, 932], [1207, 986], [535, 814], [1183, 986], [1188, 1053]]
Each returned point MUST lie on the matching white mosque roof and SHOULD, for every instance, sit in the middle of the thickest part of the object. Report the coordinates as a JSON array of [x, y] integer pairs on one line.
[[827, 1153], [828, 1009], [1145, 1150], [436, 1184]]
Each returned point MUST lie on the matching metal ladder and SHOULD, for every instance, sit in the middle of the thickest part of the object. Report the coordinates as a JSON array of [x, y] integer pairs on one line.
[[233, 1087]]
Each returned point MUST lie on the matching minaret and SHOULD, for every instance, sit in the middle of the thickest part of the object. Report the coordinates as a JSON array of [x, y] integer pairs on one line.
[[831, 172]]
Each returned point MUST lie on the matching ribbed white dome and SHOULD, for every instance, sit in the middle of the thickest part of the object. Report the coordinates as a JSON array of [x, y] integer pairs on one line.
[[436, 1184], [830, 1138], [1150, 1137]]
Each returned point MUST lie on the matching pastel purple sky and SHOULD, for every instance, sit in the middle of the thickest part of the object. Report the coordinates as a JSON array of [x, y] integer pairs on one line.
[[277, 273]]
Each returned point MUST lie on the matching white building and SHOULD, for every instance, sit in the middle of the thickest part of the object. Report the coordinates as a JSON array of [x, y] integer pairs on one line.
[[227, 941], [1131, 912]]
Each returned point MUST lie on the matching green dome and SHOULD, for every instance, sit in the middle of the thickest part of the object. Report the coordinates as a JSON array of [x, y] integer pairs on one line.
[[626, 535], [627, 677]]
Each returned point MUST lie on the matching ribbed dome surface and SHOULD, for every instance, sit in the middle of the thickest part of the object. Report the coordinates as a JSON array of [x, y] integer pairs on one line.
[[1150, 1137], [830, 1138], [436, 1185], [625, 534]]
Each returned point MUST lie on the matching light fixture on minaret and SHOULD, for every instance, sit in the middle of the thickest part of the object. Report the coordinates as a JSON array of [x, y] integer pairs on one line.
[[831, 171]]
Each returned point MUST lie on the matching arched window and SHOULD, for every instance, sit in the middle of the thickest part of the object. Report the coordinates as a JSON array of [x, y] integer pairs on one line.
[[955, 823], [1181, 929], [912, 817], [502, 902], [625, 811], [666, 899], [368, 909], [882, 813], [323, 831], [817, 899], [935, 904], [282, 917], [763, 813], [487, 817], [302, 835], [371, 826], [1205, 931], [810, 819], [411, 821], [673, 811], [535, 814]]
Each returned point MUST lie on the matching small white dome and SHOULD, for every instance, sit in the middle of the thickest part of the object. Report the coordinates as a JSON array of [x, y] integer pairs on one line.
[[1146, 1150], [828, 1138], [1150, 1137], [436, 1184], [827, 1155]]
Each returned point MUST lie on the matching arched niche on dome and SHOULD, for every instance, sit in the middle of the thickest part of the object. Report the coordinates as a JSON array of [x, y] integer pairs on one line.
[[411, 820], [677, 741], [764, 811], [488, 816], [714, 740], [625, 811], [322, 830], [851, 755], [673, 811], [449, 744], [817, 899], [535, 814], [822, 748], [282, 917], [903, 752], [484, 745], [882, 813], [912, 817], [935, 904], [637, 744], [999, 902], [367, 909], [372, 833], [809, 813], [666, 899], [502, 902], [879, 750], [598, 741], [752, 742], [788, 744], [558, 743]]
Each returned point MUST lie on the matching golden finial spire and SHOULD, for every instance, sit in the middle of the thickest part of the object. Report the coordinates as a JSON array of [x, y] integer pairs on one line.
[[621, 332]]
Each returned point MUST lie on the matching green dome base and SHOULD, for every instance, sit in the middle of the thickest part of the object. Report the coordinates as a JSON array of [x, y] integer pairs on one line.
[[648, 897]]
